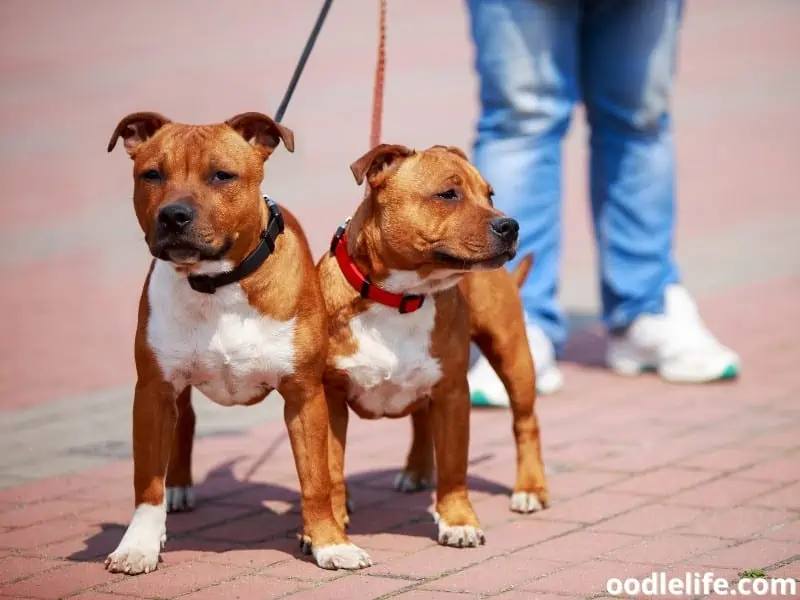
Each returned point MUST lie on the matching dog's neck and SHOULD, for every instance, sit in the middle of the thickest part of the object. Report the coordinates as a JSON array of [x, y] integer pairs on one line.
[[250, 238], [363, 243], [373, 257]]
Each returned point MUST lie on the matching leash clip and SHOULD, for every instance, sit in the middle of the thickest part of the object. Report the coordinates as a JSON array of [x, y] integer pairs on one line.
[[274, 213], [337, 237]]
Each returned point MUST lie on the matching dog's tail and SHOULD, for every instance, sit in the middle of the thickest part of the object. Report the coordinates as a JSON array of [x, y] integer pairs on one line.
[[520, 273]]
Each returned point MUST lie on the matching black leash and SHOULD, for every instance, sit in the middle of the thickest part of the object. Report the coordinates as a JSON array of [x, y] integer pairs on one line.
[[326, 6], [208, 284]]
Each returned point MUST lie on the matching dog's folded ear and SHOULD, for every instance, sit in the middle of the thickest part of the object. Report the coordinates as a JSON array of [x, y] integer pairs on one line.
[[262, 132], [377, 164], [135, 129]]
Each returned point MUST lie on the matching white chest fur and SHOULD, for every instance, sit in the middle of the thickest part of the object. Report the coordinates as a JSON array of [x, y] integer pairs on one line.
[[216, 342], [392, 366]]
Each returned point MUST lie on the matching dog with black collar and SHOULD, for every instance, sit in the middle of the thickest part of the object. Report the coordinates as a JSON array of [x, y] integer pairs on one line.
[[230, 306]]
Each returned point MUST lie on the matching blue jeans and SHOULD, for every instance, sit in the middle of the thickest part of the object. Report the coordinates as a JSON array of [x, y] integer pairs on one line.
[[535, 60]]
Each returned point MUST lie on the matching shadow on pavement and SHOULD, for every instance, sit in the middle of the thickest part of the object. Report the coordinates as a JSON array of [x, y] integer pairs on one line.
[[234, 514]]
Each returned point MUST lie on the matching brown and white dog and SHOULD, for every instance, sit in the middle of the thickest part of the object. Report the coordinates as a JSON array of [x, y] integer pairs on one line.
[[400, 324], [230, 306]]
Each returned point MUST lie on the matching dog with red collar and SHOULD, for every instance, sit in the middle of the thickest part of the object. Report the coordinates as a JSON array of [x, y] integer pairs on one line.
[[409, 280]]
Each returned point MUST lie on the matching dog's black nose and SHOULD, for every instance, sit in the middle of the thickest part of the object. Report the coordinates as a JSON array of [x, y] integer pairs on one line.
[[175, 217], [505, 228]]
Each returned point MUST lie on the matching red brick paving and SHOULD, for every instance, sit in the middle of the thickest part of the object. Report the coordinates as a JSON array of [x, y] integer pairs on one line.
[[645, 476], [496, 575], [724, 501], [585, 579], [255, 587], [62, 582], [764, 552]]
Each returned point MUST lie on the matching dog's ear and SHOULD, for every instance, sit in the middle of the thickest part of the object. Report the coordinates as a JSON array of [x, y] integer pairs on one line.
[[454, 149], [377, 164], [135, 129], [262, 132]]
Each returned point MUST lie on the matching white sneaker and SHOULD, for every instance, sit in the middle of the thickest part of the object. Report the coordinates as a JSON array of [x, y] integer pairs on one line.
[[486, 388], [676, 344]]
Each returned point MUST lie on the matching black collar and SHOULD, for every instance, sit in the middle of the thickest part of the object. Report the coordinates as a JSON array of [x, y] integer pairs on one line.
[[208, 284]]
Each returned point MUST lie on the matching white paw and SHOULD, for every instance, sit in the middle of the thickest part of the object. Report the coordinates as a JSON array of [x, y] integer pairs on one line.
[[525, 502], [459, 536], [141, 545], [134, 559], [180, 498], [410, 482], [341, 556]]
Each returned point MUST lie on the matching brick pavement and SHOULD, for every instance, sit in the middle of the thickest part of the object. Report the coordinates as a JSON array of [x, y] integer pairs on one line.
[[644, 475]]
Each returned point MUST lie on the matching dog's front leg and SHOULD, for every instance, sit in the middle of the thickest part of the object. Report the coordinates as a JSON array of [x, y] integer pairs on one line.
[[154, 417], [306, 416], [449, 414], [508, 353]]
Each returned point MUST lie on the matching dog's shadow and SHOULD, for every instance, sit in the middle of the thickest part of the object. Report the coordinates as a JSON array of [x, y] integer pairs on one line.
[[252, 521]]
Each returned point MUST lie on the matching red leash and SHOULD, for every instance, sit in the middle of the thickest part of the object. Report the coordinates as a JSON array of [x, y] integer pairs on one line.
[[380, 69], [404, 303]]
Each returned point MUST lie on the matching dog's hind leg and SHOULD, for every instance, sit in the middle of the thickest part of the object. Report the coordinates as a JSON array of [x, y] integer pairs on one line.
[[418, 472], [180, 494]]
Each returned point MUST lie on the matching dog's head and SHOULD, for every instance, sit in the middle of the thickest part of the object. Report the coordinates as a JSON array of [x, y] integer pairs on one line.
[[431, 212], [197, 187]]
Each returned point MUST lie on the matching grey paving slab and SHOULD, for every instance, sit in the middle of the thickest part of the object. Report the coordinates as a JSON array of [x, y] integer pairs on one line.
[[74, 434]]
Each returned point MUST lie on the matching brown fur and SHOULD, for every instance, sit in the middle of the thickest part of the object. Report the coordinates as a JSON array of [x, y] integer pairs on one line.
[[403, 225], [282, 288]]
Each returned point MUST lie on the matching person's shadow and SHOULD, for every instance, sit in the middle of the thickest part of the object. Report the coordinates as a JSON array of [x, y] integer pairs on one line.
[[256, 525]]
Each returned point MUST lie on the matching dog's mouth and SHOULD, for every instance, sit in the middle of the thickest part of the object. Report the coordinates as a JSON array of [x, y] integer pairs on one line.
[[184, 252], [472, 263]]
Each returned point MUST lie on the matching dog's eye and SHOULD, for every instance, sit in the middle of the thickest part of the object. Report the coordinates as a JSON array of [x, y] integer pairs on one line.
[[151, 175], [448, 195], [222, 176]]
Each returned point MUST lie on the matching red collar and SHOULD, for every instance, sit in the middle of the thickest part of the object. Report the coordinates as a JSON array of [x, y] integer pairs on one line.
[[404, 303]]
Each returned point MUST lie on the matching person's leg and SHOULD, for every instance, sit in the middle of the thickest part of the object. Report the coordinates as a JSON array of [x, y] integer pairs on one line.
[[526, 61], [628, 57]]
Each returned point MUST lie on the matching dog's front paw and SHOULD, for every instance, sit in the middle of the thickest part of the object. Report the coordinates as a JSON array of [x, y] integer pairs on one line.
[[526, 502], [411, 481], [139, 550], [460, 536], [341, 556], [134, 560], [180, 498]]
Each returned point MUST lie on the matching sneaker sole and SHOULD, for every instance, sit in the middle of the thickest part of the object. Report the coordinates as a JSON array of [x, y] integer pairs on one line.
[[729, 372], [481, 400], [629, 370]]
